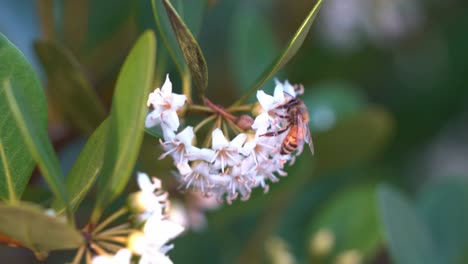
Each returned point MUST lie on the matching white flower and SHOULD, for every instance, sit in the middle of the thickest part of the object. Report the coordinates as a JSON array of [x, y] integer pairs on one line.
[[287, 87], [196, 176], [165, 104], [271, 116], [151, 243], [226, 153], [150, 200], [122, 256], [179, 146]]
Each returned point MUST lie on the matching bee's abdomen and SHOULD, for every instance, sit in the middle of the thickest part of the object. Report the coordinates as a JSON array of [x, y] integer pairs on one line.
[[289, 145]]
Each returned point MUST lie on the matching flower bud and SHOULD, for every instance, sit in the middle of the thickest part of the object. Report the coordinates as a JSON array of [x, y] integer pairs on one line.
[[245, 122]]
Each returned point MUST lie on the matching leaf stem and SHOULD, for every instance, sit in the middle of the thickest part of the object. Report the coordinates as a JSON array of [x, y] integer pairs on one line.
[[187, 86], [240, 108], [109, 220], [46, 18], [203, 123], [221, 111], [200, 108], [79, 255]]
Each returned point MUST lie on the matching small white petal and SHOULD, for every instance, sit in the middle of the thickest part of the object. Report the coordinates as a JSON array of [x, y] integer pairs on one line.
[[265, 100], [145, 183], [178, 100], [200, 154], [154, 258], [168, 133], [186, 136], [153, 119], [171, 119], [238, 140], [219, 141], [167, 86], [161, 231], [278, 94], [289, 89]]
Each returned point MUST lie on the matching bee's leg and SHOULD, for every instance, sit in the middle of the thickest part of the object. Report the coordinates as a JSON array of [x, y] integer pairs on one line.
[[283, 116], [289, 104], [276, 133], [299, 89]]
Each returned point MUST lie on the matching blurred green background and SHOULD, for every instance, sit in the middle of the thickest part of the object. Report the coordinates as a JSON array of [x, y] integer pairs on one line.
[[386, 86]]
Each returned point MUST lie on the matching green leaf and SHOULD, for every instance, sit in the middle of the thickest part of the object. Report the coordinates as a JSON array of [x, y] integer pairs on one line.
[[68, 87], [16, 162], [444, 206], [28, 120], [126, 120], [355, 139], [360, 231], [86, 169], [252, 46], [168, 36], [29, 224], [291, 49], [191, 51], [407, 236]]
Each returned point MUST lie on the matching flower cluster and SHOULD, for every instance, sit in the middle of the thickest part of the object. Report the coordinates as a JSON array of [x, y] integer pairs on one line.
[[229, 168], [148, 244]]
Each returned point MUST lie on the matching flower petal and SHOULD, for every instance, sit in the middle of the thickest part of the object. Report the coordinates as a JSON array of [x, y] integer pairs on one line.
[[145, 183], [160, 231], [219, 141], [153, 119], [278, 94], [265, 100], [186, 136], [178, 100], [166, 89], [238, 140], [289, 89], [171, 120]]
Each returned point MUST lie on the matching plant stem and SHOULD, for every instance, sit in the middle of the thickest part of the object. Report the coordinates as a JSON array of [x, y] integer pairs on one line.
[[109, 220], [187, 86], [234, 127], [240, 108], [46, 17], [200, 108], [203, 123], [219, 110]]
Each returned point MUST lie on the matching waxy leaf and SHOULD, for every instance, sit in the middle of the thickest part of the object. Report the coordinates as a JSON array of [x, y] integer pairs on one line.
[[126, 122], [35, 229], [86, 169], [16, 162], [291, 49], [191, 51], [68, 87], [168, 36], [407, 236], [443, 203], [33, 132]]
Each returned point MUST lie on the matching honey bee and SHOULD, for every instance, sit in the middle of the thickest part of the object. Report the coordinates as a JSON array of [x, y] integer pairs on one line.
[[297, 117]]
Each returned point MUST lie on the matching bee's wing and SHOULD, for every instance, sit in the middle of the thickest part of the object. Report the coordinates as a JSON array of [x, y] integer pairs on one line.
[[308, 138]]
